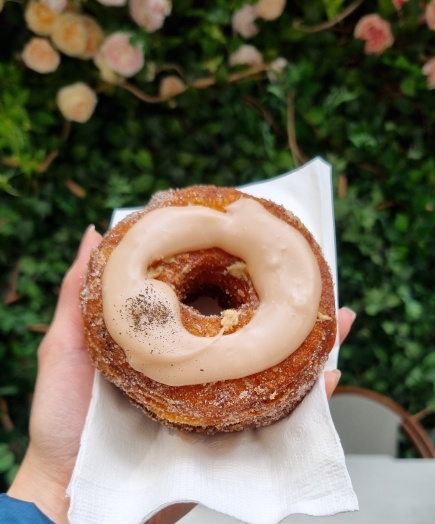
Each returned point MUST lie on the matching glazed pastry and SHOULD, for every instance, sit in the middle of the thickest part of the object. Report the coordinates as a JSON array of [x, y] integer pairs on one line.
[[245, 367]]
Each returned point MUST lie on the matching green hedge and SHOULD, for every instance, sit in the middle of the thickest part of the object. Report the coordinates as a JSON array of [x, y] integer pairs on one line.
[[371, 116]]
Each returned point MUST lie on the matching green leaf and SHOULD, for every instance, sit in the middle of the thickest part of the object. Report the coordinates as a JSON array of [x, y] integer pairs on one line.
[[408, 86], [401, 222], [332, 7], [143, 159], [7, 458]]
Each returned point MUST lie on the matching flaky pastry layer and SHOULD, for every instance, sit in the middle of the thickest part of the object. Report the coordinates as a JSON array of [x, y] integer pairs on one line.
[[231, 405]]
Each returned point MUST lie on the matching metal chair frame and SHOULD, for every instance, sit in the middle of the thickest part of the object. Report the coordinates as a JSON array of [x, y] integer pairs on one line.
[[412, 428]]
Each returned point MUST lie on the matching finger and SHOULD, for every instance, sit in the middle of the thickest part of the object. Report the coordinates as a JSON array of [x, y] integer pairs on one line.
[[346, 318], [68, 315], [69, 302], [332, 379]]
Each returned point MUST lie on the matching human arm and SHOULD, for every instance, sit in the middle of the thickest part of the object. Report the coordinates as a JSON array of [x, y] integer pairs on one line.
[[61, 399]]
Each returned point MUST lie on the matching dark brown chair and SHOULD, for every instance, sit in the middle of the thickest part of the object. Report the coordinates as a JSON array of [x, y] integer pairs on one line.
[[369, 423]]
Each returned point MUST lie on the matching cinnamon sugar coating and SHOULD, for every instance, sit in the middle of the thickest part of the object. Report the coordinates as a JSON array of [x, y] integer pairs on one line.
[[224, 406]]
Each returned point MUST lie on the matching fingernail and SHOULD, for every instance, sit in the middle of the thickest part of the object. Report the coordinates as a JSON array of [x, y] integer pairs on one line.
[[90, 229], [351, 312], [337, 375]]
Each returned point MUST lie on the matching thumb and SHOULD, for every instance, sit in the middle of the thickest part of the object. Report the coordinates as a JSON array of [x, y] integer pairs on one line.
[[68, 307]]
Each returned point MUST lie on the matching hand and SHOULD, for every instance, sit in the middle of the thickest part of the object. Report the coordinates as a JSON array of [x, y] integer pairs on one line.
[[61, 399], [62, 396], [346, 318]]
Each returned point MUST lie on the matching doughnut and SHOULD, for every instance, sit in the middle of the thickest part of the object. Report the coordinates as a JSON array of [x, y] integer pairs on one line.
[[245, 365]]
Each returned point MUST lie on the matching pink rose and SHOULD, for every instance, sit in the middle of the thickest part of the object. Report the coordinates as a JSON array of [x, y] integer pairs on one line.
[[270, 9], [40, 56], [429, 71], [150, 14], [376, 32], [246, 55], [39, 18], [69, 34], [121, 56], [112, 3], [55, 5], [107, 74], [243, 21], [430, 15], [171, 86], [77, 102]]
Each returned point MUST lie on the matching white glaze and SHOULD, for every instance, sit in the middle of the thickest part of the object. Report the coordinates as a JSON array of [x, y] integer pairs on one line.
[[143, 315]]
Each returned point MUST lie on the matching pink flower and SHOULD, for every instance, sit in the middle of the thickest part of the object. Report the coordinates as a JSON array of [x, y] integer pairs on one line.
[[270, 9], [112, 3], [107, 74], [246, 55], [55, 5], [69, 34], [39, 18], [40, 56], [243, 21], [150, 14], [430, 15], [121, 56], [376, 32], [398, 4], [429, 71], [77, 102]]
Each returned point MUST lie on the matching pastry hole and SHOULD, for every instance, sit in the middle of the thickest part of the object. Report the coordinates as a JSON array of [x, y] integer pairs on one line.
[[208, 283], [206, 306], [211, 299]]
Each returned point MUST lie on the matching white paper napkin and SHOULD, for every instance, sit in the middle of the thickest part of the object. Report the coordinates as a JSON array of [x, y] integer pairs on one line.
[[130, 467]]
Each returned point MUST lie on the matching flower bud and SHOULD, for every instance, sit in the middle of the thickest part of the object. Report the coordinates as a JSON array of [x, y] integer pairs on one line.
[[40, 56], [171, 86], [69, 34], [270, 9], [246, 55], [429, 71], [40, 18], [121, 56], [243, 21], [429, 15], [76, 102], [150, 14], [276, 68], [376, 32]]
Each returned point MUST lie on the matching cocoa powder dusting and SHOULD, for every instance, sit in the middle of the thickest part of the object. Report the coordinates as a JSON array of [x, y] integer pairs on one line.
[[143, 311]]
